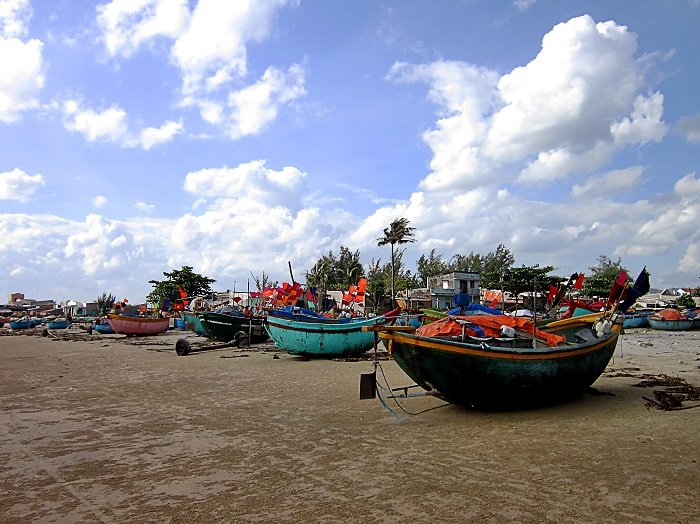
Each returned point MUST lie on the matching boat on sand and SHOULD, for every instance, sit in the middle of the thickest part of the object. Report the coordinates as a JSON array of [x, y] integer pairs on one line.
[[140, 326]]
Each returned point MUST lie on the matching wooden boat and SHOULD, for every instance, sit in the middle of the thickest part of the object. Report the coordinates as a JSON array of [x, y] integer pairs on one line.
[[670, 319], [226, 327], [21, 324], [635, 320], [102, 327], [61, 323], [324, 339], [126, 325], [193, 322], [497, 371]]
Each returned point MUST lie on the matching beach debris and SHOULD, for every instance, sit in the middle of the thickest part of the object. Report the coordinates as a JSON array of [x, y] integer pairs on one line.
[[676, 392]]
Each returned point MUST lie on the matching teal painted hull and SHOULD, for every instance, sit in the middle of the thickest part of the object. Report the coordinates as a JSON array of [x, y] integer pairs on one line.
[[194, 323], [671, 325], [58, 324], [484, 376], [635, 321], [322, 339]]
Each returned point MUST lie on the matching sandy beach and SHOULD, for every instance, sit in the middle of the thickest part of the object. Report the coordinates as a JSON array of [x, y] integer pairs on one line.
[[101, 428]]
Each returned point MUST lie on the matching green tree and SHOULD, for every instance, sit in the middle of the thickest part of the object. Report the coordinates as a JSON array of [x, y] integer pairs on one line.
[[602, 276], [522, 279], [471, 263], [376, 286], [192, 283], [105, 302], [398, 232], [348, 268], [430, 266], [494, 266], [263, 281], [686, 301]]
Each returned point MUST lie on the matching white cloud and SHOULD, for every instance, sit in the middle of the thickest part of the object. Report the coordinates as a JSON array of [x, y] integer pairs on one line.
[[14, 17], [213, 47], [99, 201], [18, 185], [689, 126], [257, 105], [143, 206], [152, 136], [609, 184], [21, 62], [250, 184], [524, 5], [109, 124], [129, 24]]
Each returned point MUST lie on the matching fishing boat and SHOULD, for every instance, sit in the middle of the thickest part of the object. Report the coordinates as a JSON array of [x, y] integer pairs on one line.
[[193, 322], [505, 361], [227, 326], [102, 326], [670, 319], [21, 324], [126, 325], [636, 320], [59, 323], [331, 338]]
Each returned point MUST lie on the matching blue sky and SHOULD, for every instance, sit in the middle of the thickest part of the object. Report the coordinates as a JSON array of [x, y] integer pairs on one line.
[[138, 136]]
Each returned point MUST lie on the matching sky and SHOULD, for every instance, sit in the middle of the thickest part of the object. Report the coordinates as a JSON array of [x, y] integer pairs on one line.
[[236, 137]]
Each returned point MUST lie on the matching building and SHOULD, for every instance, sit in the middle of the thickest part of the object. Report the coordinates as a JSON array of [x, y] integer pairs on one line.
[[454, 289]]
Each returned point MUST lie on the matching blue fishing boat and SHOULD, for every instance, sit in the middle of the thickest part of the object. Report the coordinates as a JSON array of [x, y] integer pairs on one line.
[[21, 324], [635, 320], [670, 319], [193, 322], [102, 327], [331, 338], [61, 323]]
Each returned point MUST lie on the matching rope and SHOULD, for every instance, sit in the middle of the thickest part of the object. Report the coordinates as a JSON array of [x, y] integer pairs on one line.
[[398, 404]]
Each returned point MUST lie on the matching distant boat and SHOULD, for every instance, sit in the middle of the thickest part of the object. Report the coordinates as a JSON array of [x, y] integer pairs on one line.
[[496, 370], [21, 324], [324, 339], [193, 322], [58, 324], [670, 319], [228, 326], [102, 327], [635, 320], [126, 325]]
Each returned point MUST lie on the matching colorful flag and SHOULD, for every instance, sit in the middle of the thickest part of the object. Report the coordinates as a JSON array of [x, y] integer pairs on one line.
[[579, 281], [182, 292], [618, 289], [641, 287]]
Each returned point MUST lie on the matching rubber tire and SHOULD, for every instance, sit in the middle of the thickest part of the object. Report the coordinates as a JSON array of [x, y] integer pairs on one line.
[[182, 347]]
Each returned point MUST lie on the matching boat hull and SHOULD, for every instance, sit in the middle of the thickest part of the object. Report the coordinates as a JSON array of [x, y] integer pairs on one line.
[[21, 324], [58, 324], [671, 325], [139, 326], [193, 323], [319, 339], [104, 329], [486, 376], [224, 328], [635, 320]]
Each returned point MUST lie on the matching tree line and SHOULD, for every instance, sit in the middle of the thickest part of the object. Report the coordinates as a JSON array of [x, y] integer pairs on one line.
[[497, 270]]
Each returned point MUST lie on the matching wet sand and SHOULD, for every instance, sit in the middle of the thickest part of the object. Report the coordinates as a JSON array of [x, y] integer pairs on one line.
[[98, 428]]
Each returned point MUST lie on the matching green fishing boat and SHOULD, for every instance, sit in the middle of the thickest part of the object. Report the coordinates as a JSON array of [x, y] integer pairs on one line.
[[541, 366]]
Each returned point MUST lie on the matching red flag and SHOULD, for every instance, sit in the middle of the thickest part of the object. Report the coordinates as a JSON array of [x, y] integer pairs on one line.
[[182, 292], [579, 281], [618, 288], [552, 293]]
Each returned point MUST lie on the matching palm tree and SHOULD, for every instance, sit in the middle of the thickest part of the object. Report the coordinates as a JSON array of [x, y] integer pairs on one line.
[[398, 232]]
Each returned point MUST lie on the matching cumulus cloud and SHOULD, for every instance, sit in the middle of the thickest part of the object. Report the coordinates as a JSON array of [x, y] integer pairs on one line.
[[99, 201], [18, 185], [609, 184], [689, 127], [129, 24], [21, 62], [210, 49], [257, 105], [109, 124], [112, 125], [152, 136]]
